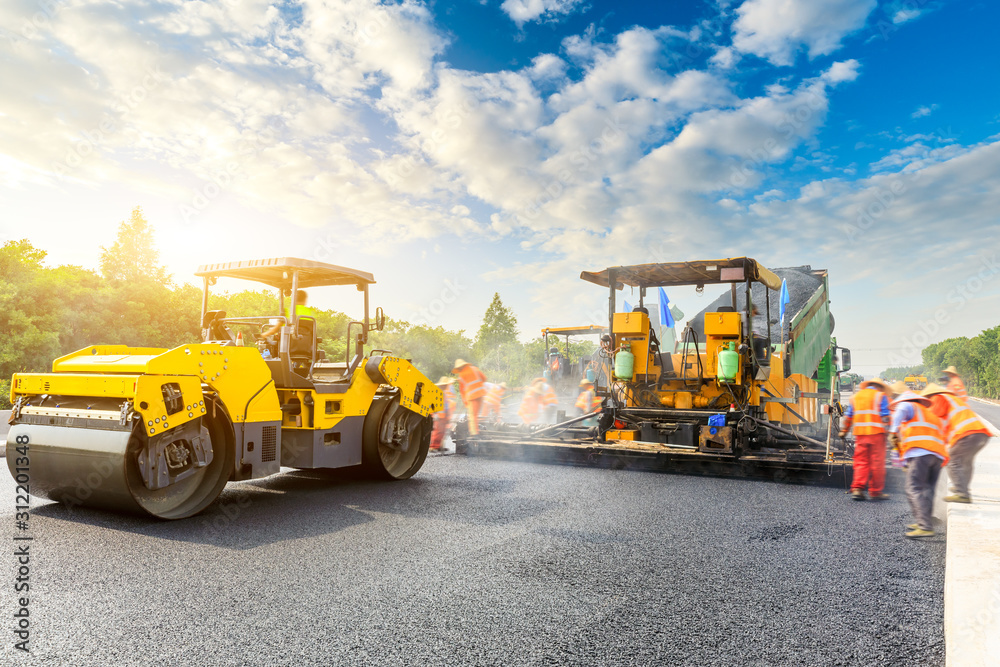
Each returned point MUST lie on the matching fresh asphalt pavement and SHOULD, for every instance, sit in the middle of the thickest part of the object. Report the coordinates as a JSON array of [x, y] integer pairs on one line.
[[483, 562]]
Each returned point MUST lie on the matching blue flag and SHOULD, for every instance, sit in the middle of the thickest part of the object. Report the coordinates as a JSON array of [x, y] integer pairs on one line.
[[784, 299], [626, 306], [666, 317]]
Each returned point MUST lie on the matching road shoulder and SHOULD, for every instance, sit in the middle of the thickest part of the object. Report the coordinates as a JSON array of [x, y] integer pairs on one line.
[[972, 570]]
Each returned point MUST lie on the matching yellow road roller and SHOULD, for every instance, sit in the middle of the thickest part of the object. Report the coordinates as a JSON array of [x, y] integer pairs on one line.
[[160, 431]]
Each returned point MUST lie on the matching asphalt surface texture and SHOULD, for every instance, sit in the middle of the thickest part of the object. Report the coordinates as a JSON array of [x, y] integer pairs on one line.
[[483, 562]]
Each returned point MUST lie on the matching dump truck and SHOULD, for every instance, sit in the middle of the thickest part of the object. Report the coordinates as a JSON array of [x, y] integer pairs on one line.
[[745, 393], [915, 382], [161, 431]]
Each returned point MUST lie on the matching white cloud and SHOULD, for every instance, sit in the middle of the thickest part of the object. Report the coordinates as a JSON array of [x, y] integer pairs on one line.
[[924, 111], [777, 29], [522, 11]]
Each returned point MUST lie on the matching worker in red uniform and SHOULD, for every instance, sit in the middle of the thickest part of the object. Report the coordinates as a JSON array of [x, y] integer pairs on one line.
[[954, 384], [443, 417], [919, 435], [869, 414], [965, 435], [493, 401], [471, 386]]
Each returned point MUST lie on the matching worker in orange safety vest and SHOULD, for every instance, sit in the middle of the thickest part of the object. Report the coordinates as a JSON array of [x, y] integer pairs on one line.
[[493, 401], [472, 388], [444, 416], [531, 404], [920, 437], [869, 415], [588, 401], [965, 435], [953, 382]]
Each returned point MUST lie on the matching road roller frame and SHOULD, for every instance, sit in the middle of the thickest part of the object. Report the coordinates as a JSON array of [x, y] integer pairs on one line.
[[162, 431]]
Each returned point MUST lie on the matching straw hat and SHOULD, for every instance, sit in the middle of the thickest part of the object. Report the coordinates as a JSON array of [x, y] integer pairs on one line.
[[909, 396], [459, 363], [445, 380], [586, 383], [878, 383], [502, 385], [951, 370], [898, 388], [932, 389], [538, 381]]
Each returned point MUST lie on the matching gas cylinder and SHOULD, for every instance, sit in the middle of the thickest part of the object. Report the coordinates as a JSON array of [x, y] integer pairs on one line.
[[729, 363], [624, 363], [590, 375]]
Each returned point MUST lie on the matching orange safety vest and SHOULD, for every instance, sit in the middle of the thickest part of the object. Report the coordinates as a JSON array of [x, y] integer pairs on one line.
[[494, 395], [923, 430], [867, 417], [529, 406], [588, 401], [471, 383], [548, 395], [958, 418], [957, 387]]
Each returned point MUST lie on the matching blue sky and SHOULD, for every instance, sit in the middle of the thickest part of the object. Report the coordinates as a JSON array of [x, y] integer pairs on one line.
[[458, 148]]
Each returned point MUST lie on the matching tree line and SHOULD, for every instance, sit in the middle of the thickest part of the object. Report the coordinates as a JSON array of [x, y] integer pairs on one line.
[[977, 360], [48, 312]]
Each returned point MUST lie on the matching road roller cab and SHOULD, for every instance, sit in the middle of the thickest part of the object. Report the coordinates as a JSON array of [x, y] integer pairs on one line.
[[161, 431]]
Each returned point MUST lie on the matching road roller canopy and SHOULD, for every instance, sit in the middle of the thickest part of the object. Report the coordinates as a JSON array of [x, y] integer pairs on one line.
[[574, 331], [277, 272], [699, 272]]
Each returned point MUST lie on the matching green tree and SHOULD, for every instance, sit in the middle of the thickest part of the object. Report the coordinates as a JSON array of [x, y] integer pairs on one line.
[[499, 328], [133, 256]]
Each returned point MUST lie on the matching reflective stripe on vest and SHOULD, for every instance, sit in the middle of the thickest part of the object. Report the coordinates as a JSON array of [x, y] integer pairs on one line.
[[867, 417], [961, 421], [923, 430], [471, 382], [494, 395]]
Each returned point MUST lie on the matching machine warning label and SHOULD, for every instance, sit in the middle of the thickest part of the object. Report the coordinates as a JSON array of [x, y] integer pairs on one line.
[[22, 542]]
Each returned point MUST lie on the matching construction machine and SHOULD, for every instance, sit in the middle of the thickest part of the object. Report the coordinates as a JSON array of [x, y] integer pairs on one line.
[[746, 393], [915, 382], [161, 431], [565, 372]]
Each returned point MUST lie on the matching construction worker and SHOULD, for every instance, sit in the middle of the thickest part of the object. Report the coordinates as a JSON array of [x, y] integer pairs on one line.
[[953, 382], [919, 435], [471, 386], [531, 404], [493, 401], [443, 417], [965, 435], [869, 414], [548, 399], [588, 401]]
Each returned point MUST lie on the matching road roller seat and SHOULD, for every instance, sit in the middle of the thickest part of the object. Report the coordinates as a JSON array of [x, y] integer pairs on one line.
[[213, 322]]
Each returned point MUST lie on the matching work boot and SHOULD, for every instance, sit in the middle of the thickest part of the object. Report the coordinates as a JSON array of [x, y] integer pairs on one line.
[[880, 496], [920, 532], [955, 498], [857, 494]]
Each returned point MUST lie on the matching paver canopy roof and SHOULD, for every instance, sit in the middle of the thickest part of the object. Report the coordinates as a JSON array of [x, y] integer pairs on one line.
[[699, 272], [277, 272]]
